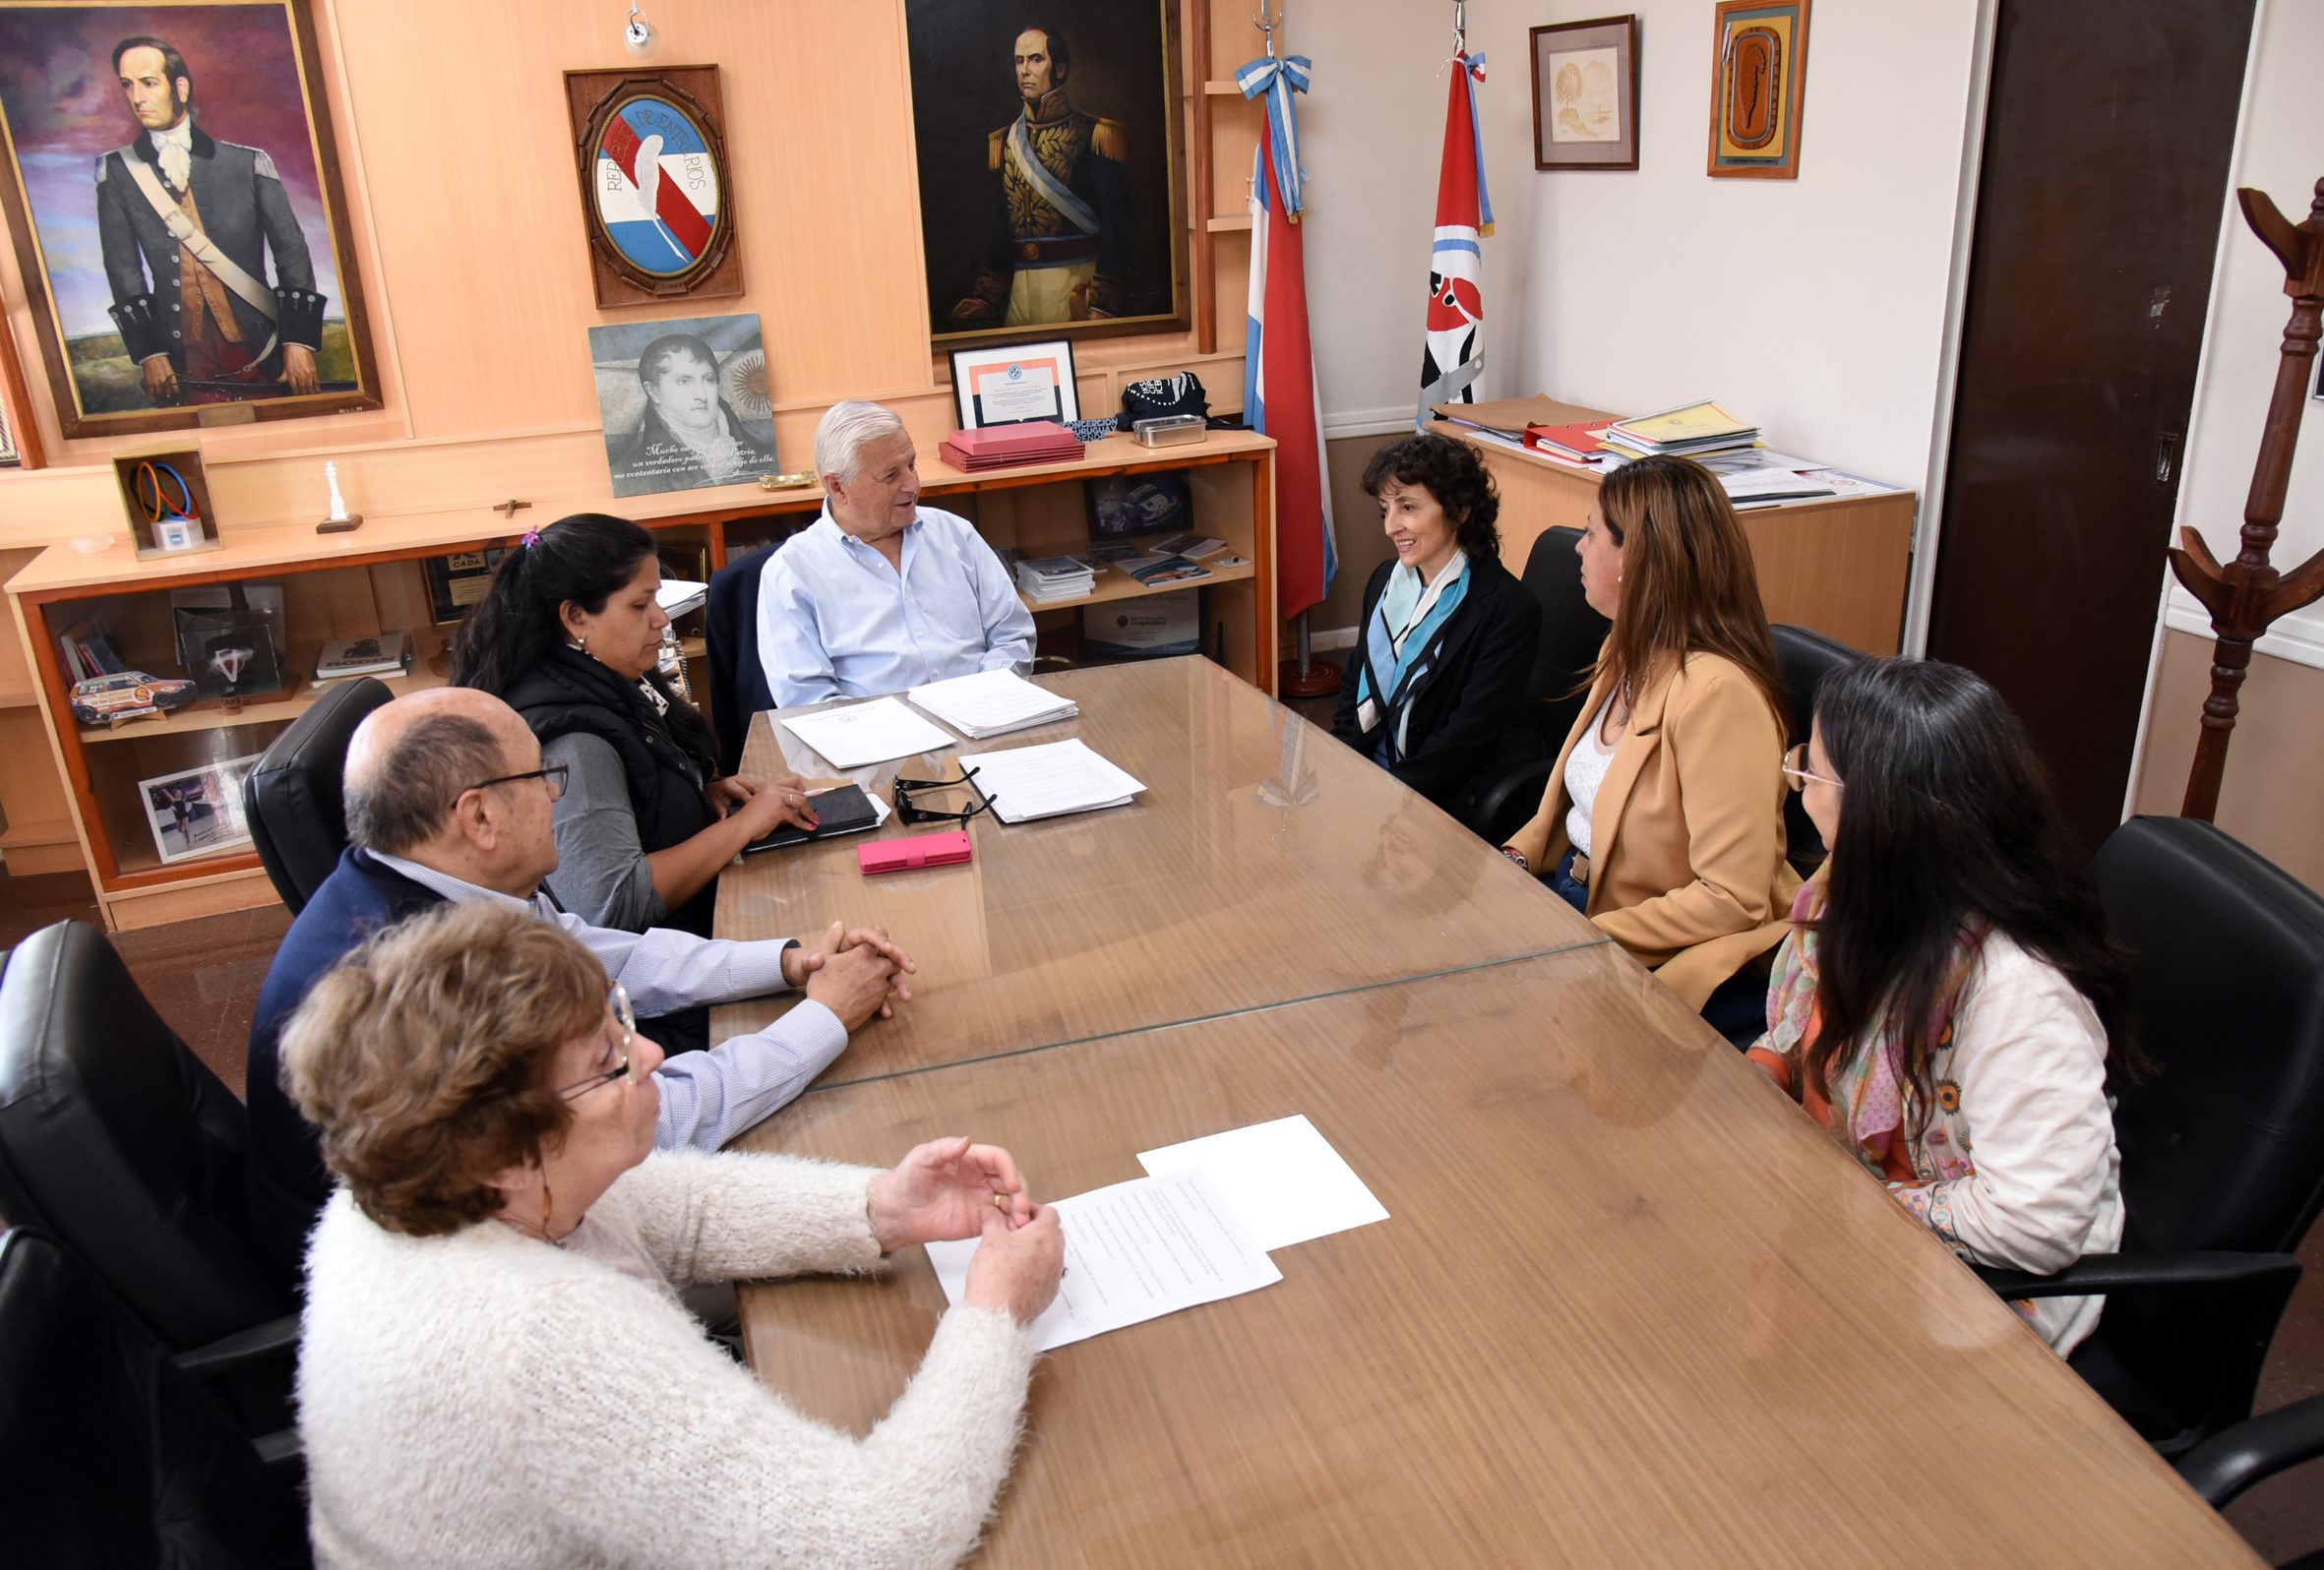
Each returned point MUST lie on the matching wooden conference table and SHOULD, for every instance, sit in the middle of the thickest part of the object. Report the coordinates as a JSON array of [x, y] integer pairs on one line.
[[1631, 1307]]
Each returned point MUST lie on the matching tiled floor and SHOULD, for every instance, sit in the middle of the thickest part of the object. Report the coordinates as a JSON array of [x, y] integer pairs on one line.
[[203, 977]]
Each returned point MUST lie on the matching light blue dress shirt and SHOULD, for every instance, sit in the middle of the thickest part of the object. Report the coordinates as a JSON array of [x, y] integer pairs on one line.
[[707, 1098], [836, 621]]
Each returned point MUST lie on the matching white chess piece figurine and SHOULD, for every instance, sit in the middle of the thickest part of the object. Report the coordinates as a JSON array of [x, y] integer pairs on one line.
[[340, 520]]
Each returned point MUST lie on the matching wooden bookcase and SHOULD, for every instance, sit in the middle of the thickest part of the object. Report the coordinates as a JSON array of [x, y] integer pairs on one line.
[[373, 581]]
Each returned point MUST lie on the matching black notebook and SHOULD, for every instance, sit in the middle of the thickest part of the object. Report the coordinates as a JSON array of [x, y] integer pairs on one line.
[[841, 810]]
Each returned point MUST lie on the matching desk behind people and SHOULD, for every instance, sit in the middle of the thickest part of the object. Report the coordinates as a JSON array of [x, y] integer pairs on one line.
[[881, 594], [1263, 861]]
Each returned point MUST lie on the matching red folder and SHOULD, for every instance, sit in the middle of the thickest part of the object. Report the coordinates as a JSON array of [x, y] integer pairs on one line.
[[1004, 445], [920, 850], [1576, 441]]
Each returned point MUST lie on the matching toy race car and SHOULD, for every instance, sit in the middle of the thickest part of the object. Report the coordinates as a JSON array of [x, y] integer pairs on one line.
[[127, 695]]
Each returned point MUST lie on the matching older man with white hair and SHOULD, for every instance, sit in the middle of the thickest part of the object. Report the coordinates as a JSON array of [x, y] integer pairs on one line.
[[882, 595]]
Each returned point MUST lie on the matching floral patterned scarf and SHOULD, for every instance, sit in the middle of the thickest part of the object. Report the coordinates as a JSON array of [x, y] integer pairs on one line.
[[1870, 1096]]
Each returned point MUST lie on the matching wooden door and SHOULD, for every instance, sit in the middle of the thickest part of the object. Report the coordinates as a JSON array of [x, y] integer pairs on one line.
[[2108, 137]]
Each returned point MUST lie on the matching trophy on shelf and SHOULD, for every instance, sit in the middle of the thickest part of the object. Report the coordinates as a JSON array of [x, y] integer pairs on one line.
[[231, 663]]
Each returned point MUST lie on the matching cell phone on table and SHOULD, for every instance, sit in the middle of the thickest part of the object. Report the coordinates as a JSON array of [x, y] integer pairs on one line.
[[841, 810]]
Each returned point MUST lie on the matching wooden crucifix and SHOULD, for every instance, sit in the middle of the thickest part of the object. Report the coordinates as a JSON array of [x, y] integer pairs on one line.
[[2248, 594]]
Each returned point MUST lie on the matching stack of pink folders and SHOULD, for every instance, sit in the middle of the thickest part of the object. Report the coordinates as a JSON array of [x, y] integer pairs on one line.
[[1005, 447]]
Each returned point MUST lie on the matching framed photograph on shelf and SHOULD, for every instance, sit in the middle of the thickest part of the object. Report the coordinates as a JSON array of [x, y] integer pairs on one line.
[[105, 153], [1052, 165], [1585, 95], [1014, 383], [196, 812], [458, 581], [1758, 86], [657, 205], [684, 403], [1138, 503]]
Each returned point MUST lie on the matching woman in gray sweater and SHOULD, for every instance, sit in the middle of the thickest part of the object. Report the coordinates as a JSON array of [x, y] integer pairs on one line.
[[495, 1368]]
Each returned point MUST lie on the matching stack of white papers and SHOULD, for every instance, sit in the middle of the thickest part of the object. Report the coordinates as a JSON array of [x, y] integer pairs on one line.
[[1056, 577], [991, 704], [1135, 1251], [867, 733], [1045, 781], [1767, 487], [1283, 1179], [679, 595]]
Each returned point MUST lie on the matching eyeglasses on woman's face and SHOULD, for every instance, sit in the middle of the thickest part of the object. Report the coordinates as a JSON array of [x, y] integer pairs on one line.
[[1794, 768], [620, 1038]]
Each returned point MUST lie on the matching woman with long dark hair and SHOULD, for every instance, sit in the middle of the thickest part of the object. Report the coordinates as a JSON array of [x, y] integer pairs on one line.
[[1949, 996], [570, 636], [1663, 818], [1448, 638]]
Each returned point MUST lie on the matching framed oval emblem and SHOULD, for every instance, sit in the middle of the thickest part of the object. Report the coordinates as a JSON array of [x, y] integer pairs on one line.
[[656, 199]]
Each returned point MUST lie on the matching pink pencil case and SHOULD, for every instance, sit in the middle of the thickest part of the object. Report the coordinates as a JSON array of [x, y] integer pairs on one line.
[[921, 850]]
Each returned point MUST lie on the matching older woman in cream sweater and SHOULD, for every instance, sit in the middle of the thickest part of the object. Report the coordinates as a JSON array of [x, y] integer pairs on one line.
[[495, 1368]]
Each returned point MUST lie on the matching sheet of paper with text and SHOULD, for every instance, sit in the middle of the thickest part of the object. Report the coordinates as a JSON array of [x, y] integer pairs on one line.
[[1133, 1251]]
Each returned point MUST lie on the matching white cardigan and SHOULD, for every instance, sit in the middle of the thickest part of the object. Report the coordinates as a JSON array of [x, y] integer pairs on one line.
[[487, 1400]]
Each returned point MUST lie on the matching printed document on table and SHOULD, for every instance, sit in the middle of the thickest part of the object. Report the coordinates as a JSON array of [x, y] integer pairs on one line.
[[1283, 1178], [867, 733], [1049, 780], [989, 703], [1135, 1251]]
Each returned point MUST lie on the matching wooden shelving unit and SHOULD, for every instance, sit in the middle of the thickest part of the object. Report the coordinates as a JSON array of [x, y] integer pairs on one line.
[[371, 581]]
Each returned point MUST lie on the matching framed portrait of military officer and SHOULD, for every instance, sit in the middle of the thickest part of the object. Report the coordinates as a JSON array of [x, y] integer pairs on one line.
[[1051, 151], [173, 196]]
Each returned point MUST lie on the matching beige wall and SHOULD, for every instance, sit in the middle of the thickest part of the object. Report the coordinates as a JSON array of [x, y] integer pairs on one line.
[[2269, 799], [476, 274]]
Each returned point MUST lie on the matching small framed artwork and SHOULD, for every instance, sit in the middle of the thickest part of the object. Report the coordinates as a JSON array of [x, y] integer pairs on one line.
[[196, 812], [1758, 86], [1585, 95], [1012, 385], [684, 403], [656, 201]]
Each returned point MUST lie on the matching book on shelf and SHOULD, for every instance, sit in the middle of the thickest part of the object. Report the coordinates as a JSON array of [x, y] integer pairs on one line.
[[1192, 546], [458, 581], [386, 654], [1056, 577], [1170, 570]]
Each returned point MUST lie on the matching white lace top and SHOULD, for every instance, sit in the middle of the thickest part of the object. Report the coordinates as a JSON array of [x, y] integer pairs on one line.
[[1585, 771]]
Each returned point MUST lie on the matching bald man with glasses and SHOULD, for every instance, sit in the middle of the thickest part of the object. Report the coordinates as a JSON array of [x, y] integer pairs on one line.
[[448, 800]]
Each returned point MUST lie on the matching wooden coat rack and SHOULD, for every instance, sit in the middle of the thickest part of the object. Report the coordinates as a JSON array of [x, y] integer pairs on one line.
[[2248, 594]]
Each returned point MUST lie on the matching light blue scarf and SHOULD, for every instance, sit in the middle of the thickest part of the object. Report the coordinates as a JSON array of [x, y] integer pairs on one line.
[[1388, 672]]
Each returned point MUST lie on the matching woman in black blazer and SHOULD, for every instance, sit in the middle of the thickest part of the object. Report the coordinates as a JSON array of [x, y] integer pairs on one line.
[[1447, 642]]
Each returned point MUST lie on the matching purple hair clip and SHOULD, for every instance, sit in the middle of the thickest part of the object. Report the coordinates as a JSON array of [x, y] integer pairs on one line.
[[530, 536]]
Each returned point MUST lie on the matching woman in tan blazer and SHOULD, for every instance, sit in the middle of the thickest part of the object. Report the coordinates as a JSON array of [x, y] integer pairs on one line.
[[1679, 749]]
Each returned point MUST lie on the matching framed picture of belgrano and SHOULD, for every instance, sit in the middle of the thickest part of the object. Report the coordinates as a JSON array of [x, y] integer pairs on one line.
[[174, 195], [1050, 156]]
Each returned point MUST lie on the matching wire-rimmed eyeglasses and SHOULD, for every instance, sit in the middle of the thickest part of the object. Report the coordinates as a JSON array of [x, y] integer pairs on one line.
[[1794, 768], [627, 1022], [911, 812], [551, 775]]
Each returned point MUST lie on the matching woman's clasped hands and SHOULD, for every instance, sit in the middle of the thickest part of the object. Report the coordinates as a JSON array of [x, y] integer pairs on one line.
[[951, 1188]]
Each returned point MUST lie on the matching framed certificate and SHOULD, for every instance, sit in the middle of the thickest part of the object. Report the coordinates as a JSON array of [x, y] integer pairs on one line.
[[1015, 383]]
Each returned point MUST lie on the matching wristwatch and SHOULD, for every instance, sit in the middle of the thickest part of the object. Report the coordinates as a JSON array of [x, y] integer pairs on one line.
[[1516, 856]]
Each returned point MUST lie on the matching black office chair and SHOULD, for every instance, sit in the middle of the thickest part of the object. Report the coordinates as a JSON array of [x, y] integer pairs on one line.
[[1572, 635], [2222, 1467], [1804, 658], [2223, 1147], [730, 632], [293, 797], [116, 1140], [110, 1453]]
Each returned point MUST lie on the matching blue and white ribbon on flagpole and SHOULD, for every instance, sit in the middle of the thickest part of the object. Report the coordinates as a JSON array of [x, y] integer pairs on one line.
[[1279, 79], [1474, 69]]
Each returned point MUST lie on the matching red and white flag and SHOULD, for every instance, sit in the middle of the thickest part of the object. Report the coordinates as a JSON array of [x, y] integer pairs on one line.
[[1279, 396], [1454, 356]]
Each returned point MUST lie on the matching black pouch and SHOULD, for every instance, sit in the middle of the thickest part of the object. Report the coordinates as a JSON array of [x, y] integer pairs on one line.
[[1172, 395]]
